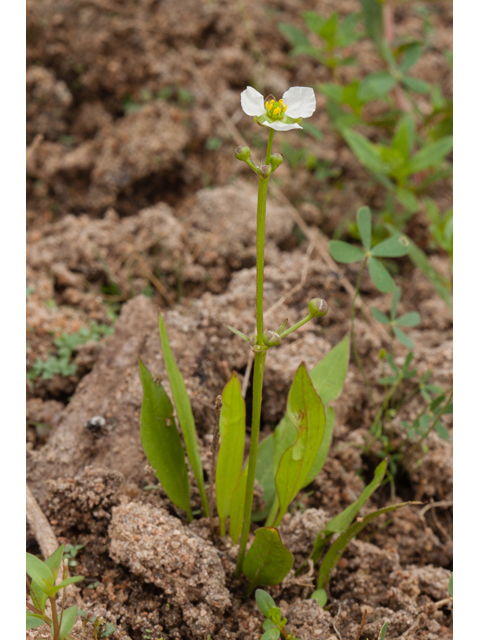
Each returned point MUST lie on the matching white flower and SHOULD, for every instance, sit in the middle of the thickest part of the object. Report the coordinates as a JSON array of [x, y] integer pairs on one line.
[[298, 101]]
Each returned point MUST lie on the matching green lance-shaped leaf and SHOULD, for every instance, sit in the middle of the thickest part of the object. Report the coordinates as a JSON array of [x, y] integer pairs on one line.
[[414, 84], [373, 16], [430, 156], [364, 224], [68, 621], [322, 454], [54, 562], [264, 473], [65, 583], [368, 154], [376, 85], [305, 410], [340, 522], [34, 620], [39, 572], [232, 441], [328, 377], [161, 442], [268, 560], [264, 601], [383, 631], [237, 506], [410, 56], [344, 252], [337, 549], [38, 595], [404, 136], [184, 413], [394, 247]]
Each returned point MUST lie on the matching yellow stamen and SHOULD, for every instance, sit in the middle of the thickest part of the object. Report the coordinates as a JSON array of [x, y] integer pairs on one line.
[[276, 111]]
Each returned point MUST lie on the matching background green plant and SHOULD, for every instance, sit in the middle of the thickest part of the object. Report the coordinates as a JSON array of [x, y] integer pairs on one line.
[[61, 363]]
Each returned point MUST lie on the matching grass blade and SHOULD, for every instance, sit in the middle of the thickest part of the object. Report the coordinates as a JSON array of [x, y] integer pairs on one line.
[[343, 520], [335, 552]]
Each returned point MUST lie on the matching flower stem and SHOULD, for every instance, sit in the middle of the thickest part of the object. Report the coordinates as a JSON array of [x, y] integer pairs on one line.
[[259, 365], [352, 332], [299, 324]]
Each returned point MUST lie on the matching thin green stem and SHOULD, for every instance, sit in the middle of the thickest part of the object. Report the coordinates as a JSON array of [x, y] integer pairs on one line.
[[299, 324], [352, 332], [259, 365], [381, 411], [269, 146], [258, 371], [56, 626], [430, 429]]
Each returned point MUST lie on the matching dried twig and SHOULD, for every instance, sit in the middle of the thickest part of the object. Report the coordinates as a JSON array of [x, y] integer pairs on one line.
[[362, 624], [42, 530]]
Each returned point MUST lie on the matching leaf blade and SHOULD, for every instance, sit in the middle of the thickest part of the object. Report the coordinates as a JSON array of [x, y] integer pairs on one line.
[[268, 560], [364, 223], [344, 252], [184, 413], [306, 411], [335, 552], [161, 442], [380, 276], [232, 442]]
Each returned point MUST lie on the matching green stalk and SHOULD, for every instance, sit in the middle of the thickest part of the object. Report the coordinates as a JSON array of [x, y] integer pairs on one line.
[[259, 365], [352, 332], [56, 626], [299, 324]]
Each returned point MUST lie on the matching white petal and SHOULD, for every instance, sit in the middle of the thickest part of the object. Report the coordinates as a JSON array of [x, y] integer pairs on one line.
[[300, 102], [281, 126], [252, 102]]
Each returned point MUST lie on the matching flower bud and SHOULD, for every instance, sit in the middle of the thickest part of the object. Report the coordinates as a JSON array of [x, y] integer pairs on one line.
[[242, 153], [253, 339], [276, 160], [271, 339], [266, 170], [317, 308]]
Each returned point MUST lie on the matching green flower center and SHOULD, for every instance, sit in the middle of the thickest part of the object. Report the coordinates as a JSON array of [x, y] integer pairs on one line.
[[275, 110]]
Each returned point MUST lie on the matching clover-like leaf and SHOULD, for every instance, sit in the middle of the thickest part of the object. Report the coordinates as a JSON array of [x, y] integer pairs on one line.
[[364, 223], [403, 338], [394, 247], [410, 319], [344, 252], [379, 315], [380, 276]]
